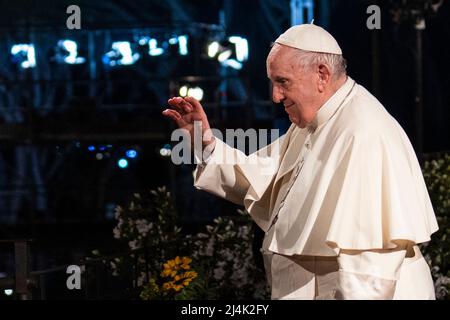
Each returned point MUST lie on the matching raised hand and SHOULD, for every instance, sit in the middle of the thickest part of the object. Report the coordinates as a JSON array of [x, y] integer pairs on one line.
[[186, 111]]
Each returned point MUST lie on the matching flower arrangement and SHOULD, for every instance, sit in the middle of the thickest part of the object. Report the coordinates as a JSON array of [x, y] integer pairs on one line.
[[173, 282], [225, 252], [224, 262]]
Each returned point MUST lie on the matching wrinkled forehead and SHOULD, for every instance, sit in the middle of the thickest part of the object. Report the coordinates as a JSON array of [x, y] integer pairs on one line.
[[280, 56], [281, 52]]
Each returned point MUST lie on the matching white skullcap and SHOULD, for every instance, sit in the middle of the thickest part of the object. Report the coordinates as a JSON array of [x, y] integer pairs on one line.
[[309, 37]]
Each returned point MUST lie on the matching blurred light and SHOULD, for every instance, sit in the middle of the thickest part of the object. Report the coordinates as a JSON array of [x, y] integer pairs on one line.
[[230, 53], [224, 55], [153, 48], [143, 41], [91, 148], [67, 51], [241, 47], [233, 64], [121, 54], [122, 163], [196, 92], [99, 156], [165, 152], [131, 153], [24, 54], [183, 45], [8, 292], [102, 148], [183, 91], [213, 49]]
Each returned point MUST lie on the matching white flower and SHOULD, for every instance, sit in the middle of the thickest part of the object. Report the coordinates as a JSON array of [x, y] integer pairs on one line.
[[132, 244], [140, 280], [118, 211], [227, 254], [239, 277], [117, 233], [202, 235], [219, 273], [243, 232], [210, 247], [143, 226]]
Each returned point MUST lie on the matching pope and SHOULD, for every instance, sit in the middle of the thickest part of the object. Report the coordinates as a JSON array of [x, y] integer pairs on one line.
[[346, 205]]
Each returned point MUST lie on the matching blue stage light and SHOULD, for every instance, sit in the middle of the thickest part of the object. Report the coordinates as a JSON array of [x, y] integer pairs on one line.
[[122, 163], [67, 52], [121, 54], [131, 153], [24, 54]]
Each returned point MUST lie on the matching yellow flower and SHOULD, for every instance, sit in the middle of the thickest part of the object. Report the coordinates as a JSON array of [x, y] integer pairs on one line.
[[168, 273], [178, 269], [167, 285], [190, 274], [177, 287], [171, 267], [185, 263]]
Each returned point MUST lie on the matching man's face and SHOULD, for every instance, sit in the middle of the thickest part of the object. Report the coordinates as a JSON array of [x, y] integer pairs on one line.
[[293, 85]]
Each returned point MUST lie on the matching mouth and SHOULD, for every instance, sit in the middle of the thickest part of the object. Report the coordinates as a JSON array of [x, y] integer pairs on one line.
[[286, 107]]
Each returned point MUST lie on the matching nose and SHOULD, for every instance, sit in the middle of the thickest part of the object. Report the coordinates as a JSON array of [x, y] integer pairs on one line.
[[277, 94]]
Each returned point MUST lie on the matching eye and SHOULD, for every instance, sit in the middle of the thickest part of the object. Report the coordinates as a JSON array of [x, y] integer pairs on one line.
[[283, 82]]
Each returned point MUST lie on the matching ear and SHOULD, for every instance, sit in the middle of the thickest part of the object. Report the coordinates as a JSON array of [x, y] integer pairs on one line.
[[324, 76]]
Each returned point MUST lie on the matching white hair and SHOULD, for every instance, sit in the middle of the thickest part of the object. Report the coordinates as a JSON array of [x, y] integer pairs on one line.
[[335, 62]]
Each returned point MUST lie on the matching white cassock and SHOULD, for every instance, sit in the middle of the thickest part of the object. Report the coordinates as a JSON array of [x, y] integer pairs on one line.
[[343, 203]]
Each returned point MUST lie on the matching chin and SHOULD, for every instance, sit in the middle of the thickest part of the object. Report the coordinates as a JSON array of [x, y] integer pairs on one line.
[[300, 124]]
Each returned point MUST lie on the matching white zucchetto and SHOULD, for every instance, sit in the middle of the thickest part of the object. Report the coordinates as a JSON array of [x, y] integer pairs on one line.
[[309, 37]]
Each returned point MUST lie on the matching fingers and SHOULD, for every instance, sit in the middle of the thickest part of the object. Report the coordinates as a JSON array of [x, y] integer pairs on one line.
[[180, 105], [194, 103], [175, 103], [174, 115]]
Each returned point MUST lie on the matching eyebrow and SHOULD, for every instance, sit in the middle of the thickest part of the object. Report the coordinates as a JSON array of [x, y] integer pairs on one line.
[[279, 79]]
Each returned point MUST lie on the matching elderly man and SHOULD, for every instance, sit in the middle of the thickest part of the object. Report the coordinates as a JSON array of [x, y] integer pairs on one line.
[[346, 205]]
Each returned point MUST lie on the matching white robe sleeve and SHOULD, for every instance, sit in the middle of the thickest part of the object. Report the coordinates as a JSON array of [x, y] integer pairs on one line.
[[244, 180], [229, 173], [370, 274]]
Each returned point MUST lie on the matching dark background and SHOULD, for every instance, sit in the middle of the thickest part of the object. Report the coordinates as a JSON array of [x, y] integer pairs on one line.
[[54, 190]]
